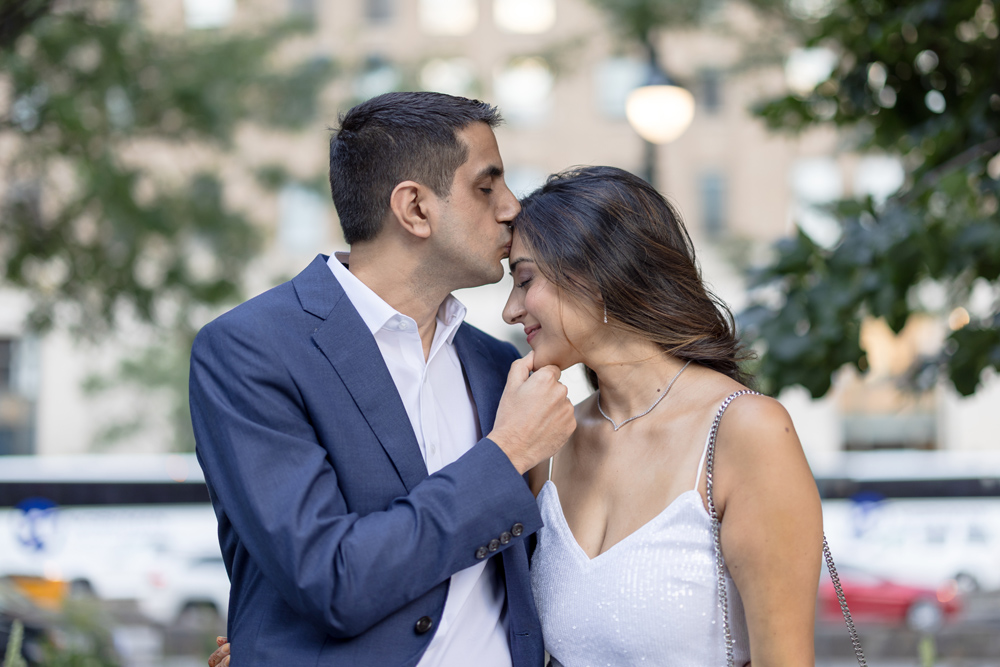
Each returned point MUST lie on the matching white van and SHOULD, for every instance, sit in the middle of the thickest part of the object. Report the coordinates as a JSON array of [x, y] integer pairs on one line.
[[119, 527]]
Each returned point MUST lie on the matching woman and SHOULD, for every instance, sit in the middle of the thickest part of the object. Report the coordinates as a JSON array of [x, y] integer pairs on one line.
[[624, 572]]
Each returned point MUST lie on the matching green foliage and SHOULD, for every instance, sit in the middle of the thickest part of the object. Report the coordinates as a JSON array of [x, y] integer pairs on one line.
[[92, 226], [82, 637], [919, 80], [156, 370], [13, 655]]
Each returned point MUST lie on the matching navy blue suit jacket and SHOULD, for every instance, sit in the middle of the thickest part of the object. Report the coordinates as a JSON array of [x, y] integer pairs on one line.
[[336, 539]]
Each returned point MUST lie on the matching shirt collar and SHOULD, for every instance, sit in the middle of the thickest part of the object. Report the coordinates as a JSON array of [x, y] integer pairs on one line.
[[378, 315]]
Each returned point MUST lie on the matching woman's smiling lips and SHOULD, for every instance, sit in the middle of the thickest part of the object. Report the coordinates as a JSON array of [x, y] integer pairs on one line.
[[531, 331]]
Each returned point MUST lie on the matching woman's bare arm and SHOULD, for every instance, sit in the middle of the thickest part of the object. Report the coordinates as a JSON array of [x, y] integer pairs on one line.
[[772, 529], [537, 476]]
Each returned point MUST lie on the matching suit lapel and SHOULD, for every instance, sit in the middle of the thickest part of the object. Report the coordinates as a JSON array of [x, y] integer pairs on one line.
[[485, 380], [350, 347]]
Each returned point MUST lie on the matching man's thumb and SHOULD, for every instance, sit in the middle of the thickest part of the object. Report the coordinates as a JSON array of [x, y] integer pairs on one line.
[[520, 369]]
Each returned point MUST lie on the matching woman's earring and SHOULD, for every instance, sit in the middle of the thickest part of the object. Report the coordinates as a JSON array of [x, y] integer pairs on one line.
[[605, 313]]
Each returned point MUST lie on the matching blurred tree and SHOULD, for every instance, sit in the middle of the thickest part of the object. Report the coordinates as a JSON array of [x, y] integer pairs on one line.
[[90, 227], [93, 103], [918, 80]]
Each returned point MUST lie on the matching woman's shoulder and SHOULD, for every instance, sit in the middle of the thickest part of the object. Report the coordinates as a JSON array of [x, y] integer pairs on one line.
[[757, 430]]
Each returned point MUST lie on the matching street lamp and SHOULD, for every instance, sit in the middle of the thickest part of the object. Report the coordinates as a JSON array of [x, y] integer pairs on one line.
[[659, 110]]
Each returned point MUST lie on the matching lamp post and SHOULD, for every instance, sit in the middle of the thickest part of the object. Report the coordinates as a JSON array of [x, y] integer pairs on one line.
[[659, 110]]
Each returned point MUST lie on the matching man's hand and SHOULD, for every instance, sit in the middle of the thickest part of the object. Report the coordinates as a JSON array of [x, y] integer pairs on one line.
[[221, 656], [534, 419]]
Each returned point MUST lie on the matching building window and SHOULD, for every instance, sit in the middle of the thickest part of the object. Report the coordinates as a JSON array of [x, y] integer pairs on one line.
[[815, 183], [523, 90], [201, 14], [524, 16], [303, 8], [614, 79], [379, 11], [710, 91], [303, 223], [6, 364], [18, 380], [713, 204], [377, 76], [454, 76], [448, 17]]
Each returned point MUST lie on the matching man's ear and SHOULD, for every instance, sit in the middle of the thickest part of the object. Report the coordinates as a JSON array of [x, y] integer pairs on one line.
[[412, 204]]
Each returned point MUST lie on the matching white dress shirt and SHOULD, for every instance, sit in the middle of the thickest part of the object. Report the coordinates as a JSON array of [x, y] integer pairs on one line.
[[473, 626]]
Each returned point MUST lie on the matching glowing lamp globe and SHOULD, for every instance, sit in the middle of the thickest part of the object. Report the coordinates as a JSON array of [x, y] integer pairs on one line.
[[659, 113]]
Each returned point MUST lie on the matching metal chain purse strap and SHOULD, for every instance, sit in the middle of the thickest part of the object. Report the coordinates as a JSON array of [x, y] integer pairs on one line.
[[720, 564]]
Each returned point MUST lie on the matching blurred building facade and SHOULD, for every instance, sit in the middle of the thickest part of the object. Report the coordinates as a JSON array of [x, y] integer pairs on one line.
[[560, 76]]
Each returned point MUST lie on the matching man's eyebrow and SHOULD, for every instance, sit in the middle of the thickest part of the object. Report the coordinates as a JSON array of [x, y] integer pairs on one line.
[[492, 171], [513, 264]]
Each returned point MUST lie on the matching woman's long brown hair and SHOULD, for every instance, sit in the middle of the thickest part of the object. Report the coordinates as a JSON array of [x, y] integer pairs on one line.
[[603, 233]]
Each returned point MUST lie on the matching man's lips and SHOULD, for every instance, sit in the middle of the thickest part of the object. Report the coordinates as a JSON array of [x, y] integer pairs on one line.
[[531, 331]]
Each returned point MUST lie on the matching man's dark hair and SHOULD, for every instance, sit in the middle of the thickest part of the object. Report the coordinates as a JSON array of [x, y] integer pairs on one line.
[[392, 138]]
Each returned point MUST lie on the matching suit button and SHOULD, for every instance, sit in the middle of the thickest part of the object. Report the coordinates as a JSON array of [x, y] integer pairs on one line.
[[424, 624], [517, 529], [481, 553], [505, 537], [494, 545]]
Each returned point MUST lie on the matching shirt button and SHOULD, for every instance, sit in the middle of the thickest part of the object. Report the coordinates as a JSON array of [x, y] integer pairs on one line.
[[424, 624], [494, 545], [481, 553], [517, 529], [505, 537], [403, 325], [433, 448]]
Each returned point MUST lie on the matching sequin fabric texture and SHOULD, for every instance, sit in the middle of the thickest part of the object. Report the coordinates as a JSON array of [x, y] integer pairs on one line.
[[651, 599]]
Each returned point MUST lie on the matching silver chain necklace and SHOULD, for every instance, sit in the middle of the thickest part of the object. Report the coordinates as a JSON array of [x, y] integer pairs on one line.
[[657, 402]]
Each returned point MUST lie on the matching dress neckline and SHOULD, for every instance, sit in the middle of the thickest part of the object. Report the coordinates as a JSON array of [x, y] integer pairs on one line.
[[669, 509]]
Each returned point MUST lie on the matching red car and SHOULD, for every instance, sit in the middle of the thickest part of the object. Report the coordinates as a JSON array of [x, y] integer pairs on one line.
[[877, 600]]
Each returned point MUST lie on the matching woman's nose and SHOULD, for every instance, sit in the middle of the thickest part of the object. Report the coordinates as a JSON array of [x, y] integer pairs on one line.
[[512, 310]]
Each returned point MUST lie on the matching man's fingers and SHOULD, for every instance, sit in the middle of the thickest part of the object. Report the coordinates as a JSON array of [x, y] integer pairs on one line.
[[547, 372], [221, 656], [529, 360], [520, 369], [219, 641]]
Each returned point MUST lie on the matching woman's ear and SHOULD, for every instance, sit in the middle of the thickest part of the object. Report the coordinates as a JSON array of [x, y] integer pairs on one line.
[[411, 203]]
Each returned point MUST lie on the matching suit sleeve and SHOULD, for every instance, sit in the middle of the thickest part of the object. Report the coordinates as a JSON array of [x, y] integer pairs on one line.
[[271, 478]]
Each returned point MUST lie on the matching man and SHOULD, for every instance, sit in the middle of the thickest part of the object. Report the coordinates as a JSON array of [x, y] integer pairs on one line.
[[363, 517]]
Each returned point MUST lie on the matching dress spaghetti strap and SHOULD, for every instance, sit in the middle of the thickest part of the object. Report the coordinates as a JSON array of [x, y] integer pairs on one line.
[[701, 462]]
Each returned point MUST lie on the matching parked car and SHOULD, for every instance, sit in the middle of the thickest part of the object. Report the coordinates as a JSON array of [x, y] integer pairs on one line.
[[875, 599], [919, 541], [190, 591]]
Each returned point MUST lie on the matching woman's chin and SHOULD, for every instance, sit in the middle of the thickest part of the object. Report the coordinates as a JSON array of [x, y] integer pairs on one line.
[[542, 360]]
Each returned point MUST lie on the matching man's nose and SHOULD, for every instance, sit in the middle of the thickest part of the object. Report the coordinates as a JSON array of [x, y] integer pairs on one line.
[[509, 208]]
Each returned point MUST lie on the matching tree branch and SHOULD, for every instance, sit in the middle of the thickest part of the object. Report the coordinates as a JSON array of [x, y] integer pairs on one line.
[[16, 16], [934, 176]]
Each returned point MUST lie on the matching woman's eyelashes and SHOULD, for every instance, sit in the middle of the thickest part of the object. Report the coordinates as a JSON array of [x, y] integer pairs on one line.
[[523, 276]]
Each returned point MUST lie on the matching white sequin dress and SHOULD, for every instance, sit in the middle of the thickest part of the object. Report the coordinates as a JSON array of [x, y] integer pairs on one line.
[[651, 599]]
